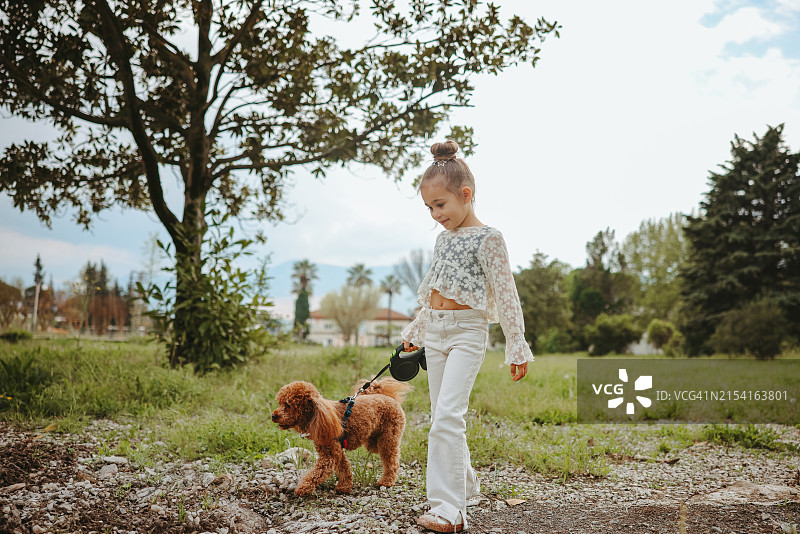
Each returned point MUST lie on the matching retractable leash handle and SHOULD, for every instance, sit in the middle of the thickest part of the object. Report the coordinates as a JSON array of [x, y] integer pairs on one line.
[[404, 365]]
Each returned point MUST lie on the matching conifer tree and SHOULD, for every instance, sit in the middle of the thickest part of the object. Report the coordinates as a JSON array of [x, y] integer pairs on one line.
[[745, 244]]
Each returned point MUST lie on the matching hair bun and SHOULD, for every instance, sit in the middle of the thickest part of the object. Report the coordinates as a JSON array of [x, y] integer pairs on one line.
[[444, 151]]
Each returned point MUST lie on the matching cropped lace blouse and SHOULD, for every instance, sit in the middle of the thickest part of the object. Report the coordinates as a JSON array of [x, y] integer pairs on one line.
[[470, 265]]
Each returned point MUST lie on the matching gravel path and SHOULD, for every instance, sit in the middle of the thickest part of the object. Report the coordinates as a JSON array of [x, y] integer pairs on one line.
[[61, 483]]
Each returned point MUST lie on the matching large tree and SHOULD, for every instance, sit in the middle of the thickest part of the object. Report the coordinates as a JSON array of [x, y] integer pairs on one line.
[[654, 256], [604, 285], [349, 307], [543, 296], [745, 243], [231, 96]]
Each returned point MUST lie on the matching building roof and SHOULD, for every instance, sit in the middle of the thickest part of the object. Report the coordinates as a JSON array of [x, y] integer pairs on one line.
[[381, 315]]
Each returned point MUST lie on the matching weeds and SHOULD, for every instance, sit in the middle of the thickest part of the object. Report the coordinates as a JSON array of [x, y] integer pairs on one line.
[[747, 436]]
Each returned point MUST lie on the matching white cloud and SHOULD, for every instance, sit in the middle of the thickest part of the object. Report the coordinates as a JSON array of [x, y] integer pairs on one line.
[[746, 24], [62, 259]]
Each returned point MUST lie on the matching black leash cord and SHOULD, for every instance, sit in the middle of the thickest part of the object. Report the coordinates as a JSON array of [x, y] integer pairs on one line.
[[350, 401]]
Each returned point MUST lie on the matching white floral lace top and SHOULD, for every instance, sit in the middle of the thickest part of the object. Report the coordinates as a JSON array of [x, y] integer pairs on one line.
[[471, 266]]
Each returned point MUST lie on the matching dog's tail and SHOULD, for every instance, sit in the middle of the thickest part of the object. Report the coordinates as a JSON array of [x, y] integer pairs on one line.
[[385, 386]]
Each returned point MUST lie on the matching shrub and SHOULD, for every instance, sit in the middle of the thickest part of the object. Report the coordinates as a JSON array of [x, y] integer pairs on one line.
[[674, 346], [758, 328], [611, 333], [556, 341], [14, 336], [222, 329], [659, 333]]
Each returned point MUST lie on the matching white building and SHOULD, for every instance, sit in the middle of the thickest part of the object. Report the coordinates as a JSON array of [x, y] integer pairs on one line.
[[371, 333]]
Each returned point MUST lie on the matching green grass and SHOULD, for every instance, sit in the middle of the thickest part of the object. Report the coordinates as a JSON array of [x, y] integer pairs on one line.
[[225, 416]]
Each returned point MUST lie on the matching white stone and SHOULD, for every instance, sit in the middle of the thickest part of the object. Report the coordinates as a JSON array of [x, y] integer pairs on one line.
[[108, 471]]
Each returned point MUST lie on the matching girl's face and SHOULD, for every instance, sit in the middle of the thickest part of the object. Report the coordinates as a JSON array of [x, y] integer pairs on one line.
[[447, 208]]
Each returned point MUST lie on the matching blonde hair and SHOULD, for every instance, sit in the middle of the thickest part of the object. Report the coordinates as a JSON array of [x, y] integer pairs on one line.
[[453, 171]]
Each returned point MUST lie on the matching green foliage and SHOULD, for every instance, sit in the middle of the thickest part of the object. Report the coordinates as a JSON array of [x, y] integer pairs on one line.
[[746, 243], [675, 345], [351, 306], [747, 436], [758, 328], [654, 255], [556, 341], [543, 296], [301, 314], [20, 377], [612, 334], [603, 286], [15, 336], [659, 333], [208, 315]]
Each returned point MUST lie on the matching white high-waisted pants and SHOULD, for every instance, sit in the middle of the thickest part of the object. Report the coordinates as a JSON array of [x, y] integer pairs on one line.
[[455, 347]]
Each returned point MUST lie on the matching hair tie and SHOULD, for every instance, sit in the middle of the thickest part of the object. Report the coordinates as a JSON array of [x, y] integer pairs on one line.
[[440, 161]]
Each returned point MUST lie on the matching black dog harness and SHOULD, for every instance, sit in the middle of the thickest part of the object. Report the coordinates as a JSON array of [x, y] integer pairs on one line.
[[403, 367], [350, 402]]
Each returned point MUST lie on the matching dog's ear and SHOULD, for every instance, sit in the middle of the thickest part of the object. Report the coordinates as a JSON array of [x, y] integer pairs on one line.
[[325, 425]]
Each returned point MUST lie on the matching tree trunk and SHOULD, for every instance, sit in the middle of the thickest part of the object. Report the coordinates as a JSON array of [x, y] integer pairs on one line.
[[188, 260]]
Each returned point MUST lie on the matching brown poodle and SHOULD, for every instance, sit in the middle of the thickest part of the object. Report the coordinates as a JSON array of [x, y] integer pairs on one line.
[[377, 422]]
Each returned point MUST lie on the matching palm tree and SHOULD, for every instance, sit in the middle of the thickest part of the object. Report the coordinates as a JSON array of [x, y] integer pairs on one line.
[[359, 275], [412, 271], [304, 273], [391, 285]]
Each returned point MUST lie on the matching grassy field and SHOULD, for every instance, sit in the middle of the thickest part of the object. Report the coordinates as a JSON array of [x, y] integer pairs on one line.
[[226, 416]]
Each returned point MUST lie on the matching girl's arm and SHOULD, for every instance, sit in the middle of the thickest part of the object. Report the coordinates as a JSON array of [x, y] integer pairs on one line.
[[493, 256]]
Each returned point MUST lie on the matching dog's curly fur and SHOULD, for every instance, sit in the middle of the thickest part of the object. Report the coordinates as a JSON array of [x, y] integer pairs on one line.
[[377, 422]]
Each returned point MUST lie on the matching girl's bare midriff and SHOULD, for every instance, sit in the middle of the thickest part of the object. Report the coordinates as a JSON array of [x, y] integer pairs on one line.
[[438, 302]]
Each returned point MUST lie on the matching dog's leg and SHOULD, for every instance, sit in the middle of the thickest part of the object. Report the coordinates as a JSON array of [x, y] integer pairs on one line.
[[322, 470], [344, 474], [389, 450]]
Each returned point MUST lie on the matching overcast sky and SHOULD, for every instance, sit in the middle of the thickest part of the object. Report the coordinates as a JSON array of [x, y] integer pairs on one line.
[[621, 120]]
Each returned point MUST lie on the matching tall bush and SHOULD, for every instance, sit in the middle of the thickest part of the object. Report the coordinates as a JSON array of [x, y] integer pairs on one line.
[[222, 329], [659, 333], [759, 328], [611, 333]]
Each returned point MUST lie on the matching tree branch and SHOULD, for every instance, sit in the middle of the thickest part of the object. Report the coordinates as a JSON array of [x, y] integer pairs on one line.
[[179, 60], [120, 51], [20, 78], [317, 157], [226, 52]]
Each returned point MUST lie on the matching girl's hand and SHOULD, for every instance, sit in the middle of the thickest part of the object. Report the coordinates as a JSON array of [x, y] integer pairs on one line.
[[519, 371], [408, 346]]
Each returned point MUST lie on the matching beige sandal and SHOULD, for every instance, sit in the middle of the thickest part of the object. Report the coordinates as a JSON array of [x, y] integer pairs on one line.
[[437, 524]]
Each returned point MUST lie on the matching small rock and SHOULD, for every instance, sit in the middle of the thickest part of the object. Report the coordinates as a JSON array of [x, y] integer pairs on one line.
[[108, 471], [208, 478], [119, 460]]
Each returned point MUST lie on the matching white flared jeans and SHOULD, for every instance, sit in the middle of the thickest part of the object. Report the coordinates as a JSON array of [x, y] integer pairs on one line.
[[455, 347]]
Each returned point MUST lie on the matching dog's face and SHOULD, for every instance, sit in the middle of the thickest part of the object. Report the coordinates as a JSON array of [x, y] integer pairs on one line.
[[295, 405]]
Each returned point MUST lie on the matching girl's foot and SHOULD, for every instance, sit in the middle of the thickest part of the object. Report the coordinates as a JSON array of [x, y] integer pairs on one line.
[[437, 524]]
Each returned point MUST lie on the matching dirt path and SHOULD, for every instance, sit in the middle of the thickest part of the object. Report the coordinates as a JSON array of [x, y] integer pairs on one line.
[[60, 483], [535, 518]]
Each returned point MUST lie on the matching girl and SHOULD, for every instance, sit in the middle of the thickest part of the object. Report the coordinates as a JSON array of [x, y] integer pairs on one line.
[[468, 286]]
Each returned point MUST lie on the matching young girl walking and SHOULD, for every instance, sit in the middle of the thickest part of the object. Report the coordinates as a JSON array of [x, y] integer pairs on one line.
[[468, 286]]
